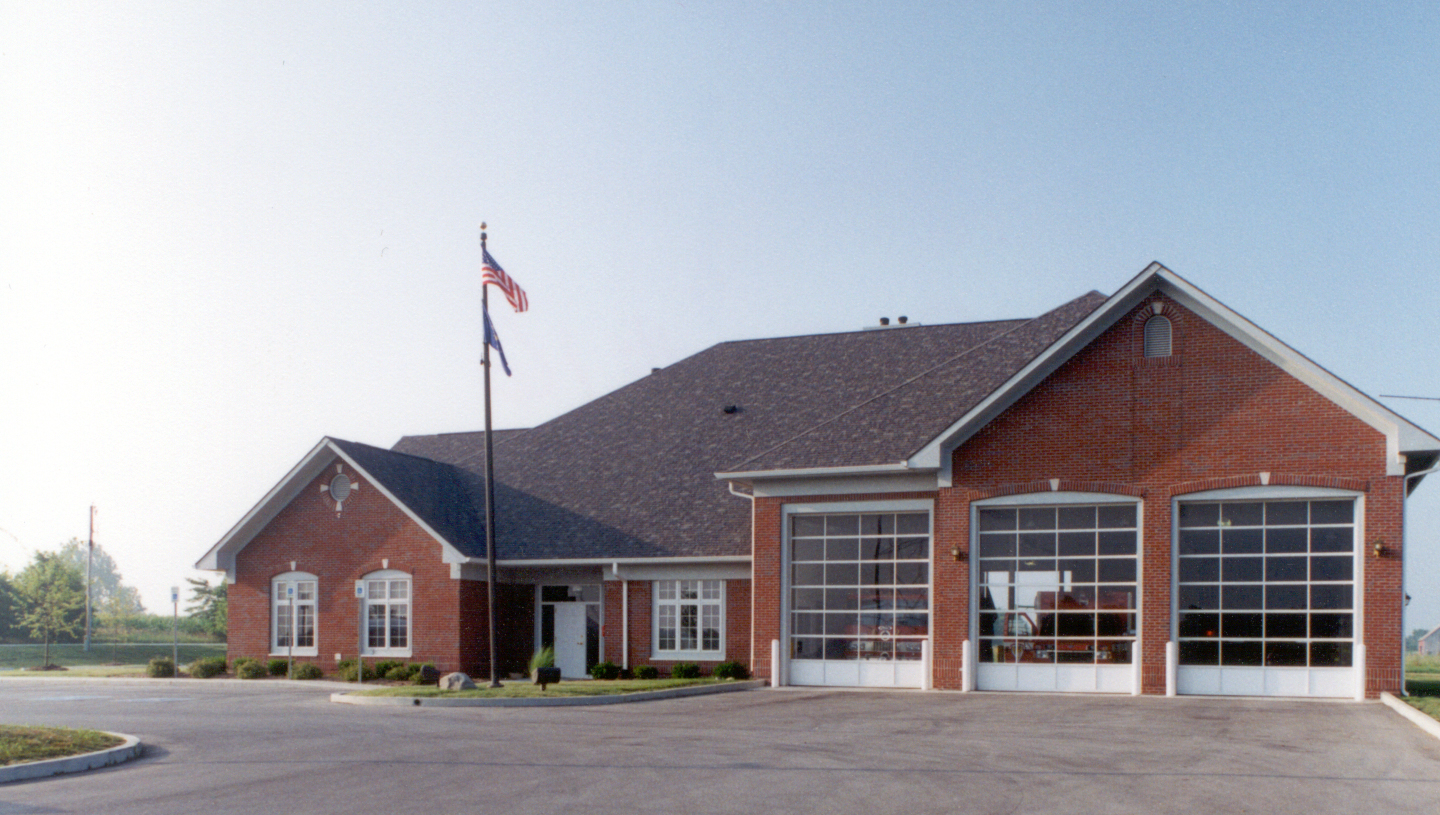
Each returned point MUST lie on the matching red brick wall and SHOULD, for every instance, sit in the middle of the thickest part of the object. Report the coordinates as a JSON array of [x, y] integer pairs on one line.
[[737, 623], [1213, 415], [447, 625]]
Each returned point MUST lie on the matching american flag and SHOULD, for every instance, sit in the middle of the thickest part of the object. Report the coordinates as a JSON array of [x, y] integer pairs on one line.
[[490, 272]]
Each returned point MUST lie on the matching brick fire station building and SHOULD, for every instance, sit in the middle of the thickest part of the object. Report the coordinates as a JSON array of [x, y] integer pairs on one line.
[[1140, 493]]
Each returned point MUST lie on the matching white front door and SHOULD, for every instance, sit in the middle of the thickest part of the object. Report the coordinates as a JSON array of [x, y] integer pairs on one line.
[[570, 639]]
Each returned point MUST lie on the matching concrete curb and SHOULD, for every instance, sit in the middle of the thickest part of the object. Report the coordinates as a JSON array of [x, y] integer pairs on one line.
[[1417, 718], [552, 701], [131, 748]]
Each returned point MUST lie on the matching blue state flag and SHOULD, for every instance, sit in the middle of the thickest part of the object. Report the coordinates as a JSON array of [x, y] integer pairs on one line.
[[493, 340]]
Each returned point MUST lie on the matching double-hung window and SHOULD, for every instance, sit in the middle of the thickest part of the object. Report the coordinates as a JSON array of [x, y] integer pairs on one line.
[[690, 619], [387, 613], [292, 602]]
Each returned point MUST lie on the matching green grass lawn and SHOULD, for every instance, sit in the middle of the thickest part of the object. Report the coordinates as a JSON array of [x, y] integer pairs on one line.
[[1422, 682], [523, 688], [15, 658], [22, 743]]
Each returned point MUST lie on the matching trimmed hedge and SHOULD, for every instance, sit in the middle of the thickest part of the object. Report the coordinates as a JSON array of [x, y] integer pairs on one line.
[[685, 670], [278, 667], [605, 670], [308, 670], [251, 669], [206, 667], [732, 670], [647, 672], [160, 667]]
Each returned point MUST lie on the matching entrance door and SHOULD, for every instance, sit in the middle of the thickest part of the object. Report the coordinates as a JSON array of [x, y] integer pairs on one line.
[[570, 639]]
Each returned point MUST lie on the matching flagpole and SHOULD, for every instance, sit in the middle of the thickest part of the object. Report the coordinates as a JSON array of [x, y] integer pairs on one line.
[[489, 480]]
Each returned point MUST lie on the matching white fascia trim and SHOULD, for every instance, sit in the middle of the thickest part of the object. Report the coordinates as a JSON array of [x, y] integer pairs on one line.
[[623, 561], [811, 472], [935, 453], [1401, 435], [221, 556]]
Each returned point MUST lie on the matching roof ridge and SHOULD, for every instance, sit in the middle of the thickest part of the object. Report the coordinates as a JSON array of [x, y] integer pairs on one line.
[[922, 374], [867, 330], [393, 452]]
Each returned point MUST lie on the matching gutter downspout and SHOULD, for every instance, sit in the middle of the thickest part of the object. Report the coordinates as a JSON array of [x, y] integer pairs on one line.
[[624, 617], [730, 485], [1404, 542]]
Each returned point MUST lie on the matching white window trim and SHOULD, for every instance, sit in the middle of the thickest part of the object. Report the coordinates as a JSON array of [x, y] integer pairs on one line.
[[278, 598], [387, 575], [691, 655]]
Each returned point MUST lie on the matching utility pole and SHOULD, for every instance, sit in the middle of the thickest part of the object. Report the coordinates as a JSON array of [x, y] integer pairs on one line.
[[89, 560]]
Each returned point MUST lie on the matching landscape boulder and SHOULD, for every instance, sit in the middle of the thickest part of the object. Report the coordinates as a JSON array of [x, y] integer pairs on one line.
[[456, 681]]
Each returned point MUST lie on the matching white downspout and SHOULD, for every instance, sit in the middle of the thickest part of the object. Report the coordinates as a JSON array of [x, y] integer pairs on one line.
[[1404, 544], [730, 485], [624, 617]]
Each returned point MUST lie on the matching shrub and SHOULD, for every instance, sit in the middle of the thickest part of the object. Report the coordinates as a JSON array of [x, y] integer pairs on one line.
[[278, 667], [384, 666], [251, 669], [402, 673], [544, 658], [647, 672], [605, 670], [160, 667], [685, 670], [346, 669], [206, 667], [426, 674], [732, 670], [235, 666], [308, 670]]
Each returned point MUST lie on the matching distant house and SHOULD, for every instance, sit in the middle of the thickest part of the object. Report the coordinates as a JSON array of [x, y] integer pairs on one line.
[[1127, 494], [1430, 643]]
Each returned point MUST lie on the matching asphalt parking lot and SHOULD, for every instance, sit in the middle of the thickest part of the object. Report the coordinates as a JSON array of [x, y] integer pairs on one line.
[[223, 747]]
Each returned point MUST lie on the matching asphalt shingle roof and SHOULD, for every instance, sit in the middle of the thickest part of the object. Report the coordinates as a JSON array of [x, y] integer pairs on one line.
[[631, 474]]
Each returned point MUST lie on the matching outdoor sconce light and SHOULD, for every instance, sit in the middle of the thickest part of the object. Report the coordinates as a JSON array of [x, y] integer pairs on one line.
[[956, 553], [1379, 547]]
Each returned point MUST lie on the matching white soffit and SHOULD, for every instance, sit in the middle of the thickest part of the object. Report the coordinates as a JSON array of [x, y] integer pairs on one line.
[[1401, 435]]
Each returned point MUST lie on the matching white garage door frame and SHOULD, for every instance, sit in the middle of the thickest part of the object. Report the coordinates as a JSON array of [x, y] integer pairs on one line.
[[1054, 677], [1218, 680], [852, 673]]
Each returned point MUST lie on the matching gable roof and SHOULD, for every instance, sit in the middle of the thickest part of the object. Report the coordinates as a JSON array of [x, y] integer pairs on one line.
[[1402, 437], [439, 497], [629, 475]]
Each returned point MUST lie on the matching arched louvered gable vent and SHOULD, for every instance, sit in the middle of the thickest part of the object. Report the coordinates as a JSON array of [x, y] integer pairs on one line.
[[1157, 336]]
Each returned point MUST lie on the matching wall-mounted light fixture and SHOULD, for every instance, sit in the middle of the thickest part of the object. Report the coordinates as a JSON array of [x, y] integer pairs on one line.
[[956, 553], [1379, 547]]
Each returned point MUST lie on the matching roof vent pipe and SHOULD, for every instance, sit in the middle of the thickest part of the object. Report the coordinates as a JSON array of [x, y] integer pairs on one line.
[[902, 319], [884, 320]]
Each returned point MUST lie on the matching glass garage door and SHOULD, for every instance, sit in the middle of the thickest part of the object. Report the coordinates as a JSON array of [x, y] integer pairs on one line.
[[859, 598], [1265, 598], [1056, 597]]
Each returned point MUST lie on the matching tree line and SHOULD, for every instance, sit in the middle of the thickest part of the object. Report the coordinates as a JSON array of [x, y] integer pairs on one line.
[[45, 603]]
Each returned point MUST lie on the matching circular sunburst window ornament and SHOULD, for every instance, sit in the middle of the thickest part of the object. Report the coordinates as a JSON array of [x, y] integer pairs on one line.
[[340, 488]]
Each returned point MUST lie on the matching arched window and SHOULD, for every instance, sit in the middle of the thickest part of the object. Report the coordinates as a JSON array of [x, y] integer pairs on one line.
[[1157, 336], [292, 614], [387, 613]]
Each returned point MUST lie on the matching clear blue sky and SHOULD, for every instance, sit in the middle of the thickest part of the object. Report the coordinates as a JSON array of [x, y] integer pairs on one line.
[[232, 230]]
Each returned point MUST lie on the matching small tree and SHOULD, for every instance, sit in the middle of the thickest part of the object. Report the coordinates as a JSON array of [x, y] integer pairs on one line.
[[52, 596], [209, 606]]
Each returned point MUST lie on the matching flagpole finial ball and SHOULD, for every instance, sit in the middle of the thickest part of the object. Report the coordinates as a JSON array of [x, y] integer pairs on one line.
[[482, 224]]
